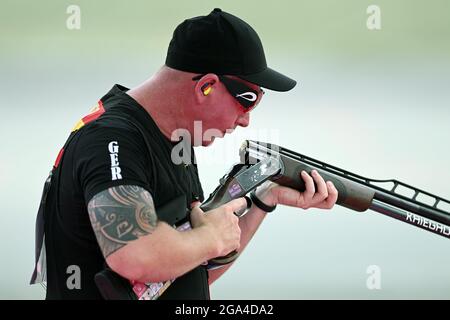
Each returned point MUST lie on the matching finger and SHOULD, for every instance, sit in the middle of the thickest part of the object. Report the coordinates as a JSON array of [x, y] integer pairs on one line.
[[195, 204], [332, 197], [309, 186], [236, 205], [196, 210], [332, 194], [322, 189], [197, 216]]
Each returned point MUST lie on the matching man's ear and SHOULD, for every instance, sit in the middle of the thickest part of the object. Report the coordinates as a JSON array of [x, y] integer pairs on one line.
[[205, 87]]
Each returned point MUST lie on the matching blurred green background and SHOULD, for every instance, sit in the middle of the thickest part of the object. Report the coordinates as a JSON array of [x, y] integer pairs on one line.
[[375, 102]]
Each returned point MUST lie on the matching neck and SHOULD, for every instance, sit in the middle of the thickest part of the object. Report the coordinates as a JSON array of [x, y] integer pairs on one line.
[[154, 96]]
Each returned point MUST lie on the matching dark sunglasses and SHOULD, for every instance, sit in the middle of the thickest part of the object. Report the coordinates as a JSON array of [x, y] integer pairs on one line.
[[245, 95]]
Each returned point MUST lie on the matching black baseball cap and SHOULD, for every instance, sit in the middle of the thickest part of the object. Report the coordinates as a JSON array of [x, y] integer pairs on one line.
[[222, 43]]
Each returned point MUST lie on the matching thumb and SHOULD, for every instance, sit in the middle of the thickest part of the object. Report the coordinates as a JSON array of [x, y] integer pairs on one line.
[[195, 204], [238, 205], [197, 216]]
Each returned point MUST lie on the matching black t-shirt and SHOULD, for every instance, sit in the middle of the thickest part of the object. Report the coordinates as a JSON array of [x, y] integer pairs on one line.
[[84, 168]]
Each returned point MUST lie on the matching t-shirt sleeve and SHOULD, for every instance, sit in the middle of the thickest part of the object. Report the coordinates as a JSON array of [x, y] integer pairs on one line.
[[110, 156]]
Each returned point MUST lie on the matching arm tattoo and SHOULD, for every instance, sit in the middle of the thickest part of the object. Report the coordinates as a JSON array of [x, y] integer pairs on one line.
[[121, 214]]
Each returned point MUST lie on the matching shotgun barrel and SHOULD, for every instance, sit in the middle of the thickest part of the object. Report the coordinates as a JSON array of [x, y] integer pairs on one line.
[[357, 192]]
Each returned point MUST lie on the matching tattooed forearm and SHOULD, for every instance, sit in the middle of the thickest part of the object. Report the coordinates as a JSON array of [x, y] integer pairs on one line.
[[121, 214]]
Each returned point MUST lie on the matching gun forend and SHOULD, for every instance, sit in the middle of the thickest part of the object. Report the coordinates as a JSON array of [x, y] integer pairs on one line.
[[350, 194]]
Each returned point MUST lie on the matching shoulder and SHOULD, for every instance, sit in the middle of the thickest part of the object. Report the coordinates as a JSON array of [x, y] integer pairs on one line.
[[108, 128], [108, 137], [113, 123]]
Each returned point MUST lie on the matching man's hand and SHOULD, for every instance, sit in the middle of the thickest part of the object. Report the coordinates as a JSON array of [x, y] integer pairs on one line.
[[323, 198], [222, 224]]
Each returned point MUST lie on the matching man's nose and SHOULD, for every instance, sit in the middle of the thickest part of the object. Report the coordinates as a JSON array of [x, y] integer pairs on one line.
[[243, 120]]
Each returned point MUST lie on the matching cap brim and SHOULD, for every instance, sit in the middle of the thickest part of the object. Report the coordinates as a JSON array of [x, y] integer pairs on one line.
[[270, 79]]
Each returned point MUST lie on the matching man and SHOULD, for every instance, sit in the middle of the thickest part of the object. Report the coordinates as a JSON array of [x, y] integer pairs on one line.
[[116, 170]]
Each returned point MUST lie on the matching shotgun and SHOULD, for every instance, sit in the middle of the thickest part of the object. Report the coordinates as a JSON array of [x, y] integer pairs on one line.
[[357, 192], [260, 162]]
